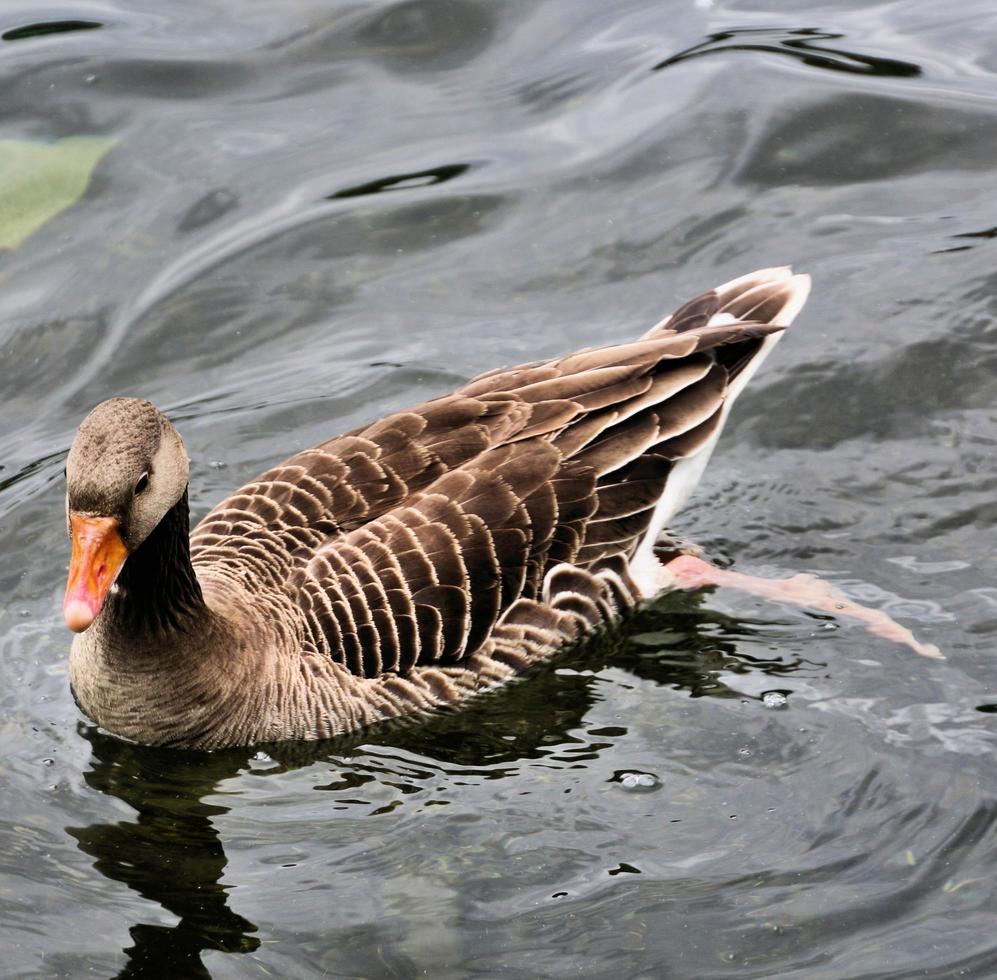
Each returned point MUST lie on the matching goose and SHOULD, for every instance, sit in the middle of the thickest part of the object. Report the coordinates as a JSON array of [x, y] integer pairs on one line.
[[409, 563]]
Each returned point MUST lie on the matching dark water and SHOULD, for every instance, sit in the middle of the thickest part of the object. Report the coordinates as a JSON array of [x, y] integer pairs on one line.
[[317, 212]]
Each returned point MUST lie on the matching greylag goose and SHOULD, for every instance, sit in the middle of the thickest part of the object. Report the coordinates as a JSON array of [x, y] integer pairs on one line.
[[409, 563]]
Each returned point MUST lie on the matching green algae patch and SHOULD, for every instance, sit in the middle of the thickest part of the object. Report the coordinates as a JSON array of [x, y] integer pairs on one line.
[[38, 180]]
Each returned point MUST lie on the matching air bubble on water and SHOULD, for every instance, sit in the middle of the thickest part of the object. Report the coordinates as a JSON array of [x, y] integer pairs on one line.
[[775, 700], [218, 464], [638, 782], [48, 762], [744, 752]]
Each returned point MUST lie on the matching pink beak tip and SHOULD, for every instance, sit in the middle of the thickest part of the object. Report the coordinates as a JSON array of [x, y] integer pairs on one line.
[[78, 614]]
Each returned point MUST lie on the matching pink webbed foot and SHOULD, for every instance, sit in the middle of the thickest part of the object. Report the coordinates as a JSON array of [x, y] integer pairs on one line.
[[689, 572]]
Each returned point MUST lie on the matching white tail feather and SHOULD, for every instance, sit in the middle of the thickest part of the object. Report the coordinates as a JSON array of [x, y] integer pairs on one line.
[[686, 473]]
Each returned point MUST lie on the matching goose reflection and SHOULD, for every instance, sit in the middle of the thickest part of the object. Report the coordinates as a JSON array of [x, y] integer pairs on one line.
[[171, 854]]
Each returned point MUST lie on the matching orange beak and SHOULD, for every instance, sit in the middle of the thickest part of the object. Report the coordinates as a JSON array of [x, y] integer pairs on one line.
[[98, 554]]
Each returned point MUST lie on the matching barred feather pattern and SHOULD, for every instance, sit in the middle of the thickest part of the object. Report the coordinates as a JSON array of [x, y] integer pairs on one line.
[[441, 550]]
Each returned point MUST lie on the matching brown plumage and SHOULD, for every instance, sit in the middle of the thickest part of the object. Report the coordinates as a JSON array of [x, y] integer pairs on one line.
[[409, 563]]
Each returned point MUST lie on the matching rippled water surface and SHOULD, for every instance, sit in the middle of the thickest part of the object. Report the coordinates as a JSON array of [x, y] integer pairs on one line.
[[315, 212]]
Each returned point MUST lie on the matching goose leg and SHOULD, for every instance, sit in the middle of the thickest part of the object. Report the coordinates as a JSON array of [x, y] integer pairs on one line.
[[691, 572]]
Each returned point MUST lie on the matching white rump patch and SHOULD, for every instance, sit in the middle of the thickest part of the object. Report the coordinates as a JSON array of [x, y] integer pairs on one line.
[[722, 320], [686, 473]]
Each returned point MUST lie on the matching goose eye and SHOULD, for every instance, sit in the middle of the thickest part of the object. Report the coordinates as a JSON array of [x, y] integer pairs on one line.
[[143, 482]]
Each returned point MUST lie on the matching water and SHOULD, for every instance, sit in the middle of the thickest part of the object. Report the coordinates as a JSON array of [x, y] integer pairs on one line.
[[317, 212]]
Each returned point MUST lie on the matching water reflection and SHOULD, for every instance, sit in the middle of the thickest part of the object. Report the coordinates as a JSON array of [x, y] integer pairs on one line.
[[170, 853], [422, 178], [797, 43], [48, 27], [846, 139], [408, 36]]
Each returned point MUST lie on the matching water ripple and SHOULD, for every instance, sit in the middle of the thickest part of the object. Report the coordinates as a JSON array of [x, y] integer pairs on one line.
[[796, 43]]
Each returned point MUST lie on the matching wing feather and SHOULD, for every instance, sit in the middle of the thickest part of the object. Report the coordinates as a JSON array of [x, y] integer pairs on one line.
[[503, 513]]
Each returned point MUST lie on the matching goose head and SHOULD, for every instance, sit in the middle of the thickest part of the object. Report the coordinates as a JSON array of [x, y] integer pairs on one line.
[[127, 468]]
